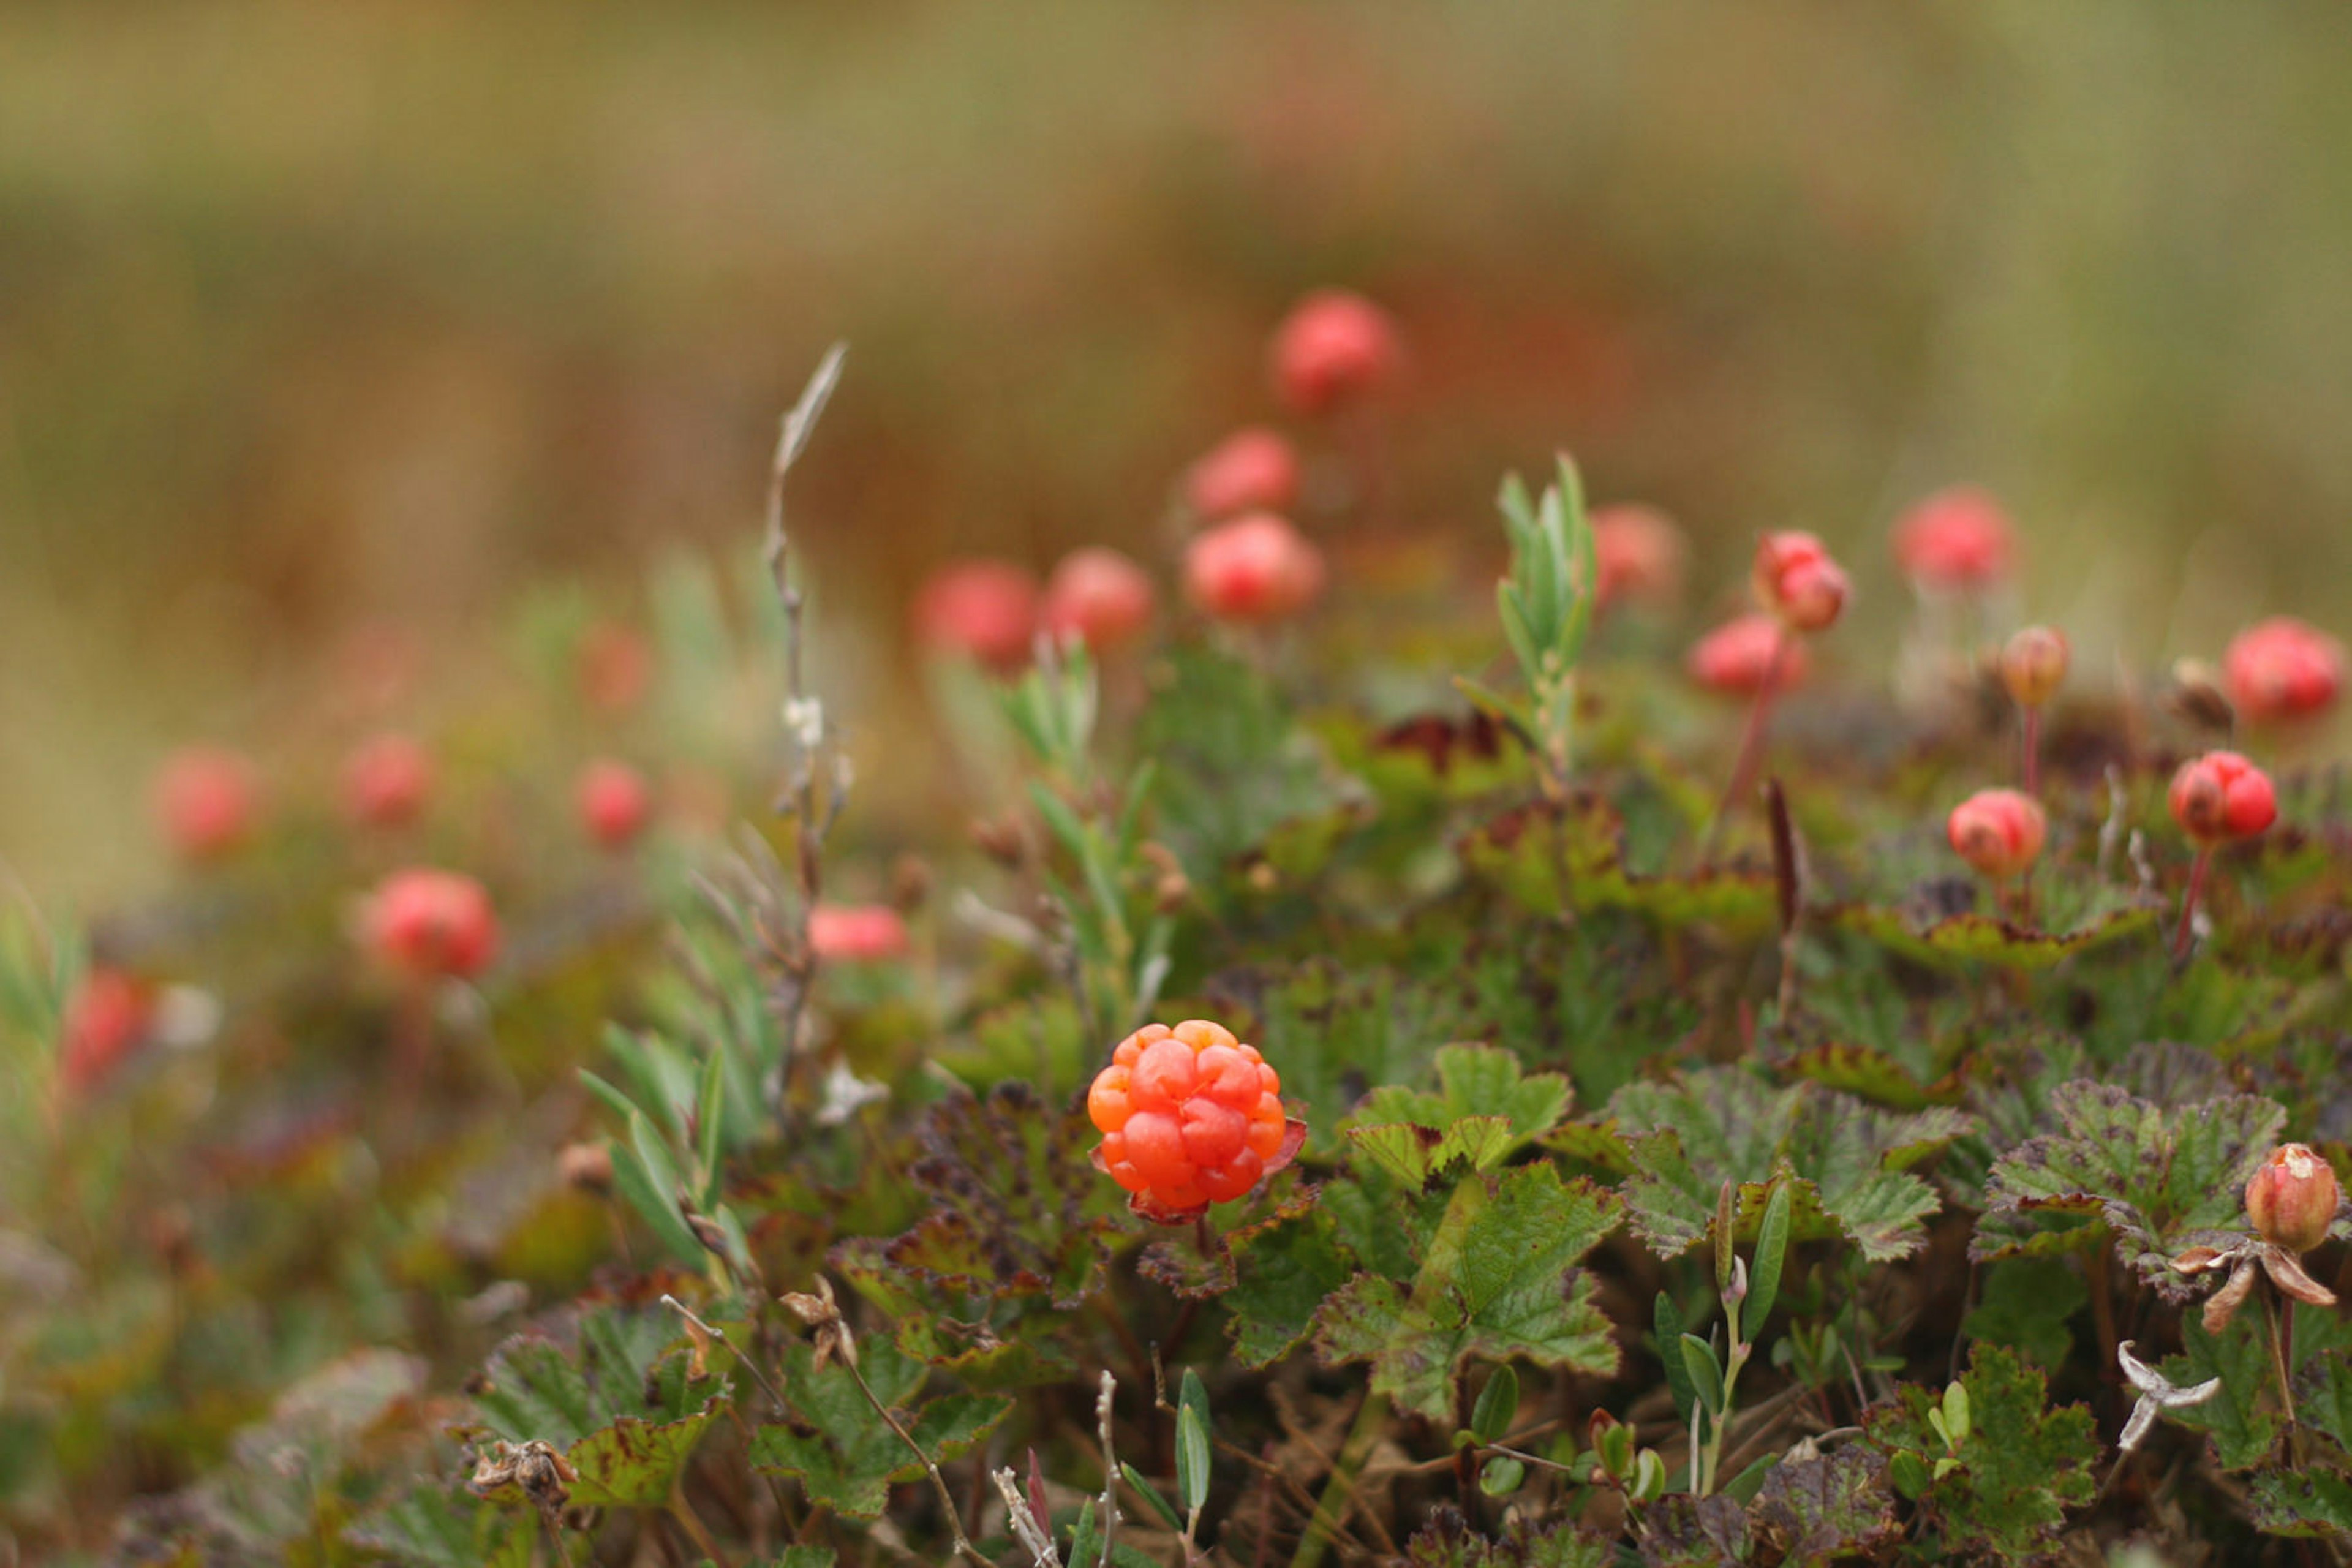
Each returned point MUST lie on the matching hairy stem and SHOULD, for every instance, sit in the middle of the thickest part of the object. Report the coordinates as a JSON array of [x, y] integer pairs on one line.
[[1751, 745], [2183, 938]]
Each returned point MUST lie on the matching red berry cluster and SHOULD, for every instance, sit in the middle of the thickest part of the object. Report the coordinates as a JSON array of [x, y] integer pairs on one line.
[[1190, 1116]]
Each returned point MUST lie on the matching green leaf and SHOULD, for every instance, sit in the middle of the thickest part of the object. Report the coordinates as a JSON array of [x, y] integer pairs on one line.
[[1707, 1378], [1475, 1081], [1150, 1494], [1496, 1279], [1413, 1154], [445, 1526], [633, 1463], [849, 1457], [1447, 1543], [2315, 1501], [1498, 1403], [1687, 1532], [2025, 1305], [2018, 1469], [1771, 1253], [1283, 1271], [2161, 1177], [1667, 1320], [2239, 1417], [1191, 1457], [1843, 1164]]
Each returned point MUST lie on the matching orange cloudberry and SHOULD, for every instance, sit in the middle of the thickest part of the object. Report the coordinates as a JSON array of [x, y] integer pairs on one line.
[[1190, 1116]]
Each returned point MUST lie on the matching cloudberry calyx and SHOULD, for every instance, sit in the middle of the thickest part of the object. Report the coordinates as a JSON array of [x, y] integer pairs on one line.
[[1100, 597], [985, 610], [2033, 664], [2291, 1198], [386, 781], [1796, 580], [1252, 470], [205, 801], [1638, 552], [1190, 1117], [2221, 796], [431, 922], [2282, 669], [1735, 657], [1333, 348], [1256, 568], [1997, 831], [615, 803], [1957, 539]]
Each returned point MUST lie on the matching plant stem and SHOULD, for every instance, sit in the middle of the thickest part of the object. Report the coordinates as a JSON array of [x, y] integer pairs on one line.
[[1751, 745], [2032, 770], [2281, 1324], [2197, 874], [1370, 1420], [683, 1511], [964, 1546]]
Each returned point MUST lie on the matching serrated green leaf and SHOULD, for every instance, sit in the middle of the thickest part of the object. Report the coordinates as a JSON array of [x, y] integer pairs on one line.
[[1475, 1081], [1283, 1272], [850, 1456], [2310, 1501], [2025, 1304], [1413, 1154], [445, 1526], [1496, 1280], [2239, 1417]]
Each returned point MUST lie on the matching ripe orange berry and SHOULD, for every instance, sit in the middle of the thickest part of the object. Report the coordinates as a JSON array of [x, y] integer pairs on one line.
[[1190, 1116]]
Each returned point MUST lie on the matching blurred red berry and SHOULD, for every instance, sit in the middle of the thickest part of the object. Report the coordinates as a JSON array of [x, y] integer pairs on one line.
[[1190, 1116], [615, 803], [1100, 597], [2221, 796], [206, 800], [858, 934], [431, 922], [386, 781], [1254, 568], [984, 610], [1797, 580], [2283, 669], [1334, 348], [615, 665], [109, 1016], [2034, 665], [1734, 657], [1997, 831], [1252, 470], [1638, 553], [1957, 538], [2291, 1198]]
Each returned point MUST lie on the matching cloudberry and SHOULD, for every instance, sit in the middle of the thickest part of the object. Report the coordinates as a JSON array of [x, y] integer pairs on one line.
[[1997, 831], [386, 781], [105, 1019], [1734, 657], [2291, 1198], [1333, 348], [1256, 568], [614, 801], [1639, 553], [1190, 1117], [2034, 665], [858, 934], [2221, 796], [1100, 597], [1252, 470], [2282, 669], [206, 800], [986, 610], [1796, 580], [1958, 540], [433, 922]]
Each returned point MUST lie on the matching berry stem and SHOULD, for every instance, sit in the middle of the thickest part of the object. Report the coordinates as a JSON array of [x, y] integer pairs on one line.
[[2032, 770], [2197, 874], [1751, 744]]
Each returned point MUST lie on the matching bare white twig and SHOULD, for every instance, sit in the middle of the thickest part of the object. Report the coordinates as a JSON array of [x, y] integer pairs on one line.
[[1028, 1530], [1110, 1466]]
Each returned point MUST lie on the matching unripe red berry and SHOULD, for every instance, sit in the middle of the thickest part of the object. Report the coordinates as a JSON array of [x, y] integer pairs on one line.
[[2221, 796], [2283, 669], [2291, 1198], [206, 801], [1252, 470], [1734, 657], [429, 922], [614, 801], [109, 1016], [1190, 1116], [2034, 665], [615, 665], [1797, 580], [858, 934], [1100, 597], [1637, 552], [984, 610], [386, 781], [1957, 538], [1333, 348], [1997, 831], [1254, 568]]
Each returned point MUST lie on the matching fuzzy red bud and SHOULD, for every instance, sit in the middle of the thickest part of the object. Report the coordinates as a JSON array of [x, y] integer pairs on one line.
[[1997, 831], [2221, 796], [2283, 669], [2291, 1198]]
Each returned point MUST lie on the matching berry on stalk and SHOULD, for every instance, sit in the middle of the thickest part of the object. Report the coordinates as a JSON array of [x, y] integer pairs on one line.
[[1638, 553], [1252, 470], [206, 801], [1334, 348], [1737, 657], [2291, 1198], [1100, 597], [431, 923], [1956, 541], [2282, 669], [2221, 796], [1796, 579], [1256, 568], [614, 801], [1190, 1117], [984, 610], [858, 934], [386, 781], [1999, 831]]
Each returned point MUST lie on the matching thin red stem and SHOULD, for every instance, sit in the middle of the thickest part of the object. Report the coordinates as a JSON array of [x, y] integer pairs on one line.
[[2197, 874], [2033, 751], [1751, 743]]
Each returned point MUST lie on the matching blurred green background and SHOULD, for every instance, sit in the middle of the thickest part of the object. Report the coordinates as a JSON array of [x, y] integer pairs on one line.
[[317, 318]]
